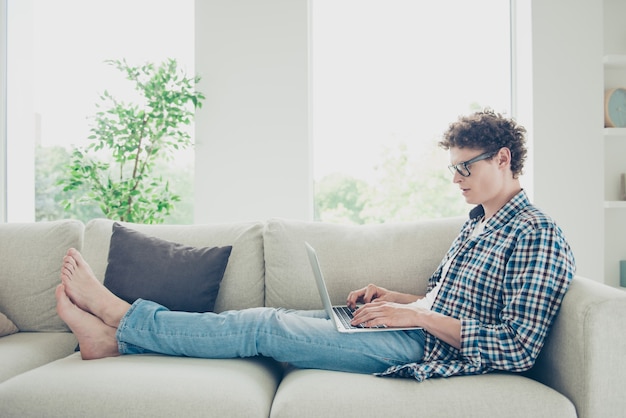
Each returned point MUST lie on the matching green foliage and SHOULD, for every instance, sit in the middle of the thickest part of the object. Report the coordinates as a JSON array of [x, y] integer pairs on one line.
[[117, 168], [50, 163], [50, 166], [340, 198], [405, 190]]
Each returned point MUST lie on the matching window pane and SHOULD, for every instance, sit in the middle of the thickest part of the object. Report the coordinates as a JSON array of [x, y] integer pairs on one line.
[[56, 74], [387, 79]]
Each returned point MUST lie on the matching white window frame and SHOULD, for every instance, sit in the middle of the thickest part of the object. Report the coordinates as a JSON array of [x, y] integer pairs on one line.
[[3, 111]]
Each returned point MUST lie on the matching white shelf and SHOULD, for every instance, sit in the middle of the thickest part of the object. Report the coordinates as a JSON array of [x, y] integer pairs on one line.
[[613, 132], [615, 204], [614, 61]]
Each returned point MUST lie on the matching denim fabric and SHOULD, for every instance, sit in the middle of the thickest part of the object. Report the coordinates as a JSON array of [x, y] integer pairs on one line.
[[305, 339]]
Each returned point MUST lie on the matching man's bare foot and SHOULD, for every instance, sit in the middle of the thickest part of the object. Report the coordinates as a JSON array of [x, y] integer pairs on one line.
[[85, 290], [96, 339]]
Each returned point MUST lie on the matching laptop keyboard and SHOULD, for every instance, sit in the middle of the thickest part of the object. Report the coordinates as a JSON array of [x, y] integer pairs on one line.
[[345, 316]]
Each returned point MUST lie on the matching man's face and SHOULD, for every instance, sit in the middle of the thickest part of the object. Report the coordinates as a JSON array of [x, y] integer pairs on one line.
[[484, 181]]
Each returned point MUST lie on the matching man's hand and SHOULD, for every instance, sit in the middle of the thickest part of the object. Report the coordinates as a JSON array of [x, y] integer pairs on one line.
[[366, 295], [392, 309], [372, 293], [389, 314]]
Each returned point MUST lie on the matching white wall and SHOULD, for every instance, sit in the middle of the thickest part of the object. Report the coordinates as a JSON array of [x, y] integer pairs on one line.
[[567, 118], [252, 135], [253, 153]]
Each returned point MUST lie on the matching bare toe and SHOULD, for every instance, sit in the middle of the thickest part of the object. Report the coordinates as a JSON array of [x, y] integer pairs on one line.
[[85, 291], [96, 339], [81, 285]]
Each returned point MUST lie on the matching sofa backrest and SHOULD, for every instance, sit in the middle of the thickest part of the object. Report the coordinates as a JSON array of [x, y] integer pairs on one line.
[[31, 255], [243, 284], [397, 256], [267, 266]]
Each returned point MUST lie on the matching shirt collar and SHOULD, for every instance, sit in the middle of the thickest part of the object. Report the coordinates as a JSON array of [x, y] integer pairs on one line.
[[506, 212]]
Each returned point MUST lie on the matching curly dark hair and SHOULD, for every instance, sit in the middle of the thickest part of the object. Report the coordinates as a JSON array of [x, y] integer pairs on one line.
[[488, 131]]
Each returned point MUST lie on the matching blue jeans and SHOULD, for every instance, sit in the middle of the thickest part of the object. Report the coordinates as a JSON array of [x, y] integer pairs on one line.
[[305, 339]]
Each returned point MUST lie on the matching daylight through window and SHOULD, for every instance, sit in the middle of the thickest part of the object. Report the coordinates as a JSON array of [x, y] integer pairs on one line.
[[387, 79]]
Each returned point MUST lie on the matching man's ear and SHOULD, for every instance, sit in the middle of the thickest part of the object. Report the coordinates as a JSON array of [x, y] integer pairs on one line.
[[504, 157]]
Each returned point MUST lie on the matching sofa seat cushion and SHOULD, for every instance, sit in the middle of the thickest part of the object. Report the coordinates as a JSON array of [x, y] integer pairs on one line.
[[397, 256], [27, 350], [143, 386], [243, 284], [317, 393]]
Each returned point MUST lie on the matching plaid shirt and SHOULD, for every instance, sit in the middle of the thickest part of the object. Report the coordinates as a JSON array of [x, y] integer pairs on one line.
[[506, 286]]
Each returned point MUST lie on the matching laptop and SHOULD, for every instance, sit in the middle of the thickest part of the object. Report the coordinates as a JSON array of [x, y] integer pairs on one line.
[[340, 315]]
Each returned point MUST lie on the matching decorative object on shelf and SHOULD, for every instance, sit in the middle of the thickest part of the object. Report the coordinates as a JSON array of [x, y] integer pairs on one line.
[[623, 186], [622, 273], [615, 108]]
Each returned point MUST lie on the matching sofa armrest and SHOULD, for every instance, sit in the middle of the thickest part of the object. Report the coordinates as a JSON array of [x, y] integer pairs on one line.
[[585, 354]]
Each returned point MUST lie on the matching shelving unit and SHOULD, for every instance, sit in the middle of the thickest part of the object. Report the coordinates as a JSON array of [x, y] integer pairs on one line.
[[615, 204], [615, 132], [615, 158], [614, 61], [614, 165]]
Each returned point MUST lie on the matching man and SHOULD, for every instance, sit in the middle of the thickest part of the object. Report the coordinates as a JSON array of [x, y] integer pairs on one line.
[[489, 305]]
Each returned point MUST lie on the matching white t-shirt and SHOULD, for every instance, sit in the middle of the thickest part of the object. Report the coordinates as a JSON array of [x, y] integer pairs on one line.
[[427, 301]]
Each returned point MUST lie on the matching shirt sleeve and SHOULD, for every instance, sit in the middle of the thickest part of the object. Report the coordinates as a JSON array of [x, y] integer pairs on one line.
[[537, 275]]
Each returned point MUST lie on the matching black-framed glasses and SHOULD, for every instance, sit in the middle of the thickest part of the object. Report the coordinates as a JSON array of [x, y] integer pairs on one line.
[[463, 169]]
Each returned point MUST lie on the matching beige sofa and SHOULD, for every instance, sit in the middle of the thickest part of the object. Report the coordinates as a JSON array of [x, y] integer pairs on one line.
[[581, 371]]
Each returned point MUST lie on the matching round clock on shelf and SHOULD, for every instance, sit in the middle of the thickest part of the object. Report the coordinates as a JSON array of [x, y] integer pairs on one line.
[[615, 108]]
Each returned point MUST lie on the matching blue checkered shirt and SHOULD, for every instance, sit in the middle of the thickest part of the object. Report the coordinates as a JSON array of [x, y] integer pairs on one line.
[[506, 286]]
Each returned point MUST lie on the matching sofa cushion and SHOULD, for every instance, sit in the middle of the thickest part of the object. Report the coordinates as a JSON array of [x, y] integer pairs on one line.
[[143, 386], [31, 255], [400, 256], [7, 327], [312, 393], [243, 284], [179, 277], [28, 350]]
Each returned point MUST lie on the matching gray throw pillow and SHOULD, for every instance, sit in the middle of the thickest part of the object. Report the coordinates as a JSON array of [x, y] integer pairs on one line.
[[179, 277]]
